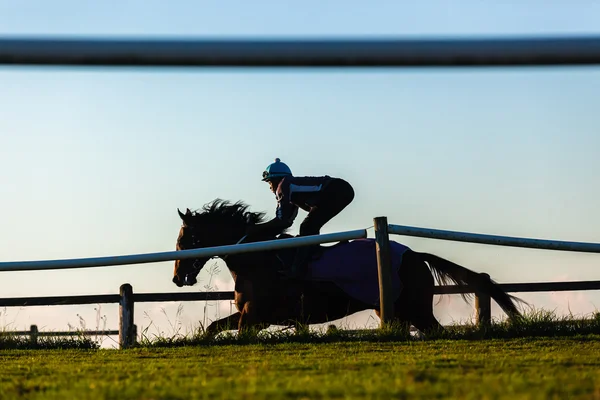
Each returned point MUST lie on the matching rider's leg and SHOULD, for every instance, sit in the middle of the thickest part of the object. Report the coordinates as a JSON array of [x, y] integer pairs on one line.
[[335, 198], [311, 225]]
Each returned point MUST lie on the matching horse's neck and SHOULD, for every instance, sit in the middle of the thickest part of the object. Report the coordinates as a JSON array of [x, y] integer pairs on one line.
[[254, 267], [251, 266]]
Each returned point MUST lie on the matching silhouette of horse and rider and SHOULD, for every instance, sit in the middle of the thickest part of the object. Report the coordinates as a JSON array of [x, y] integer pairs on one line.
[[315, 284]]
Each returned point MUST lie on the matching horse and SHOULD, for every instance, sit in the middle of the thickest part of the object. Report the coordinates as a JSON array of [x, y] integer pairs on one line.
[[264, 296]]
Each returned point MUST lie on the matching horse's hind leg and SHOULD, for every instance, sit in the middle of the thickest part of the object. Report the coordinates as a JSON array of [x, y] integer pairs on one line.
[[415, 309], [427, 323], [416, 299], [422, 316]]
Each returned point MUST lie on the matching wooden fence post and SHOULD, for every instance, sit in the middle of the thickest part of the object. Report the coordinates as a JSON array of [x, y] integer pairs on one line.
[[126, 338], [483, 305], [33, 335], [384, 269]]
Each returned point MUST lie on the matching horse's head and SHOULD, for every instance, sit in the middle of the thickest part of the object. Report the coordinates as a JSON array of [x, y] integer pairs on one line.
[[191, 236], [217, 224]]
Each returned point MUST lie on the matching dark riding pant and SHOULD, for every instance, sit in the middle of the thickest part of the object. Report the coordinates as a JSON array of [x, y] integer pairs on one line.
[[336, 196], [333, 199]]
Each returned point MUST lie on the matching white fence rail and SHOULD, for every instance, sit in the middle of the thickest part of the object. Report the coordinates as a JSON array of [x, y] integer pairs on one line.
[[182, 254], [483, 305], [494, 240], [303, 53]]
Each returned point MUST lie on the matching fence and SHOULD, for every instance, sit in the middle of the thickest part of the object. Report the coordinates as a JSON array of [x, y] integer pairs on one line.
[[127, 298], [34, 333], [181, 254], [482, 301]]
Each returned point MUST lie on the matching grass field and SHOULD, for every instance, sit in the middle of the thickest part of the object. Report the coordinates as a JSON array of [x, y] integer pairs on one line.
[[540, 357], [525, 368]]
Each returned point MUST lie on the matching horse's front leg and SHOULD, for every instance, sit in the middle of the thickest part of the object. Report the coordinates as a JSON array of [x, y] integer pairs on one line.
[[249, 319], [224, 324]]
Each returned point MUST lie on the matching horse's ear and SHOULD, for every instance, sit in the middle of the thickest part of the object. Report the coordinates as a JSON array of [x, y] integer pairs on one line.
[[188, 212], [181, 215]]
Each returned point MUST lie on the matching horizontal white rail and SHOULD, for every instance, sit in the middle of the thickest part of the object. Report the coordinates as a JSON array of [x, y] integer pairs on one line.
[[494, 240], [303, 53], [182, 254]]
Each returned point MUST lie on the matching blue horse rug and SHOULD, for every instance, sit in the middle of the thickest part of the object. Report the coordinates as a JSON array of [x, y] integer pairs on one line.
[[353, 267]]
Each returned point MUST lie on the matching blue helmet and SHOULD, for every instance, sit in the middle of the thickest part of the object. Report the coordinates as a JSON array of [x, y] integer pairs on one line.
[[276, 170]]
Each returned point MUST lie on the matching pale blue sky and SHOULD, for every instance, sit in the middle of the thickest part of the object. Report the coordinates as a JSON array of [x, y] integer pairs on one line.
[[96, 161]]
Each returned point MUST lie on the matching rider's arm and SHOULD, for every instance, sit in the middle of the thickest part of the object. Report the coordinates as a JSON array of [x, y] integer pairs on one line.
[[269, 228], [286, 211], [285, 214]]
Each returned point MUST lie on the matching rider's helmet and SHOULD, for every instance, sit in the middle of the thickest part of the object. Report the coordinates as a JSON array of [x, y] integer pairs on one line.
[[276, 170]]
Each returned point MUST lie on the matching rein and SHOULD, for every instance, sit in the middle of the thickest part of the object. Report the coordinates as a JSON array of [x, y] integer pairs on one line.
[[196, 265]]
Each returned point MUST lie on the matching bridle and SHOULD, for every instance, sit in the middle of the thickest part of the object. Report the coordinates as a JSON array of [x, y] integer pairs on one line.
[[197, 265]]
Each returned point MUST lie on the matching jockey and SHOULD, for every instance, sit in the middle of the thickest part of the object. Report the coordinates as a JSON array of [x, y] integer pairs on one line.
[[323, 197]]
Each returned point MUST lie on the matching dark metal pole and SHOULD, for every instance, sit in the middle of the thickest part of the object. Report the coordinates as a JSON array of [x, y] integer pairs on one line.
[[303, 52]]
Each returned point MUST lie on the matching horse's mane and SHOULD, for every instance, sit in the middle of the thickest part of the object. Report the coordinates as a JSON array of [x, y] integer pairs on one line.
[[223, 211]]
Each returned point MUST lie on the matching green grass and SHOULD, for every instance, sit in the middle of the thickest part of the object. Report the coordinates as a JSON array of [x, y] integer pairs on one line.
[[10, 342], [526, 368], [540, 357]]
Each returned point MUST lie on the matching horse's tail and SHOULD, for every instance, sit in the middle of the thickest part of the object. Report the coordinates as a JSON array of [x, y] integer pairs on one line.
[[447, 272]]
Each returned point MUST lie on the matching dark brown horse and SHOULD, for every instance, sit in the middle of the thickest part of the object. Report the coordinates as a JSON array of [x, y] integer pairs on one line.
[[264, 297]]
